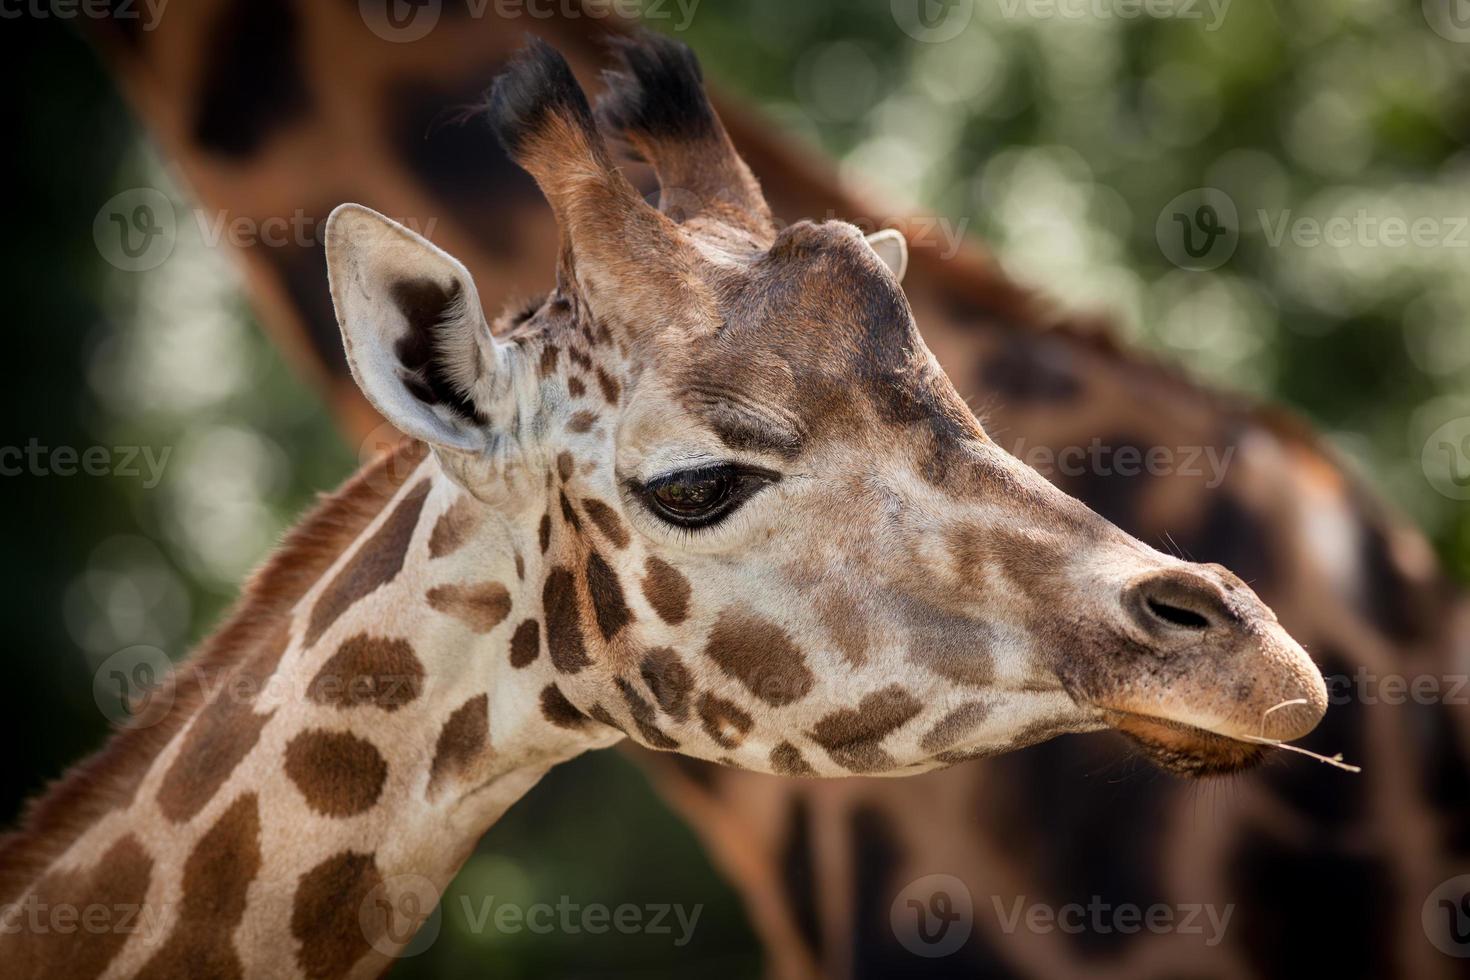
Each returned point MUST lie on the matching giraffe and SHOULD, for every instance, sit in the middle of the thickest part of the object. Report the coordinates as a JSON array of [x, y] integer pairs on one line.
[[712, 494], [820, 862]]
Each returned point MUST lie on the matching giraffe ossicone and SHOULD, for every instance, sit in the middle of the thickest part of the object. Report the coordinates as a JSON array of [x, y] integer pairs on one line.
[[712, 494]]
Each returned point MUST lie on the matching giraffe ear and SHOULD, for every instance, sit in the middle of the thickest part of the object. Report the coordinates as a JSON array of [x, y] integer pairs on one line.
[[416, 338], [893, 249]]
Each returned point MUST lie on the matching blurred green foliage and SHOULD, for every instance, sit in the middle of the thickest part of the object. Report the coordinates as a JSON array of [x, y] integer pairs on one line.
[[1059, 140]]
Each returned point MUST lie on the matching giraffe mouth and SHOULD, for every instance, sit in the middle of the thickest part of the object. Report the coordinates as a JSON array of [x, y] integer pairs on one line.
[[1185, 749]]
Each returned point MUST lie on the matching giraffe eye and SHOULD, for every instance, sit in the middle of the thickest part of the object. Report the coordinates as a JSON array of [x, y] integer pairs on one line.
[[702, 497]]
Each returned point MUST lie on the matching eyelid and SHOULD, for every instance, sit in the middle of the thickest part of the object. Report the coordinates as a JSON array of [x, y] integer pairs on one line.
[[737, 468]]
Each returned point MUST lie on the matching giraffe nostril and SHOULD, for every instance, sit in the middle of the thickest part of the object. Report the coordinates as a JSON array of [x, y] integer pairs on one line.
[[1177, 603], [1176, 615]]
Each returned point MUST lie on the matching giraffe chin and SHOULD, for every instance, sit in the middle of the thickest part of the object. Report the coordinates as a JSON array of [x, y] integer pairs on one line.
[[1184, 749]]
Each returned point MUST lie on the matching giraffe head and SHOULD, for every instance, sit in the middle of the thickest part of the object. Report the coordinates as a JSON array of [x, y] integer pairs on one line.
[[762, 526]]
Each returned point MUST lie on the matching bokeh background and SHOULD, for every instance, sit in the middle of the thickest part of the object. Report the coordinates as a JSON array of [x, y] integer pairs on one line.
[[1058, 140]]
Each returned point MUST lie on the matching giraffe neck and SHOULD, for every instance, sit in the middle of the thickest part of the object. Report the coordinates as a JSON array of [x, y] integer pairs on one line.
[[330, 776]]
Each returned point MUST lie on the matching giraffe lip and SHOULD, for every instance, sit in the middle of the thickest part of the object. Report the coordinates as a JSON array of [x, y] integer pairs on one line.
[[1183, 748]]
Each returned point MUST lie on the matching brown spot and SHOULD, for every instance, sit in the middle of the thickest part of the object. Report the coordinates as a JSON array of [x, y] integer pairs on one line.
[[580, 358], [463, 740], [852, 736], [564, 641], [558, 710], [549, 356], [369, 670], [118, 883], [454, 526], [217, 876], [608, 604], [376, 562], [565, 465], [669, 680], [569, 515], [643, 718], [575, 387], [607, 521], [761, 656], [848, 629], [544, 532], [581, 421], [520, 567], [955, 647], [610, 388], [599, 713], [525, 644], [481, 607], [786, 760], [666, 590], [955, 726], [339, 774], [325, 914], [724, 721], [221, 735]]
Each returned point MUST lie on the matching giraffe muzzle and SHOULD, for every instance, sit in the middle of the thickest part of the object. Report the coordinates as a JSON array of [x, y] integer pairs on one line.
[[1202, 676]]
